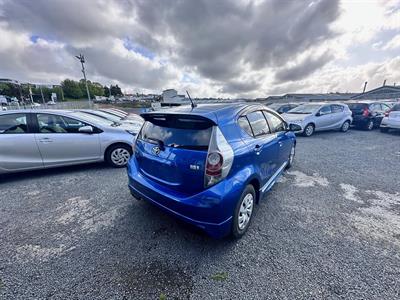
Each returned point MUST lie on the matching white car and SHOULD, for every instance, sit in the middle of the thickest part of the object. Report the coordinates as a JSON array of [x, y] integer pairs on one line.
[[320, 116], [391, 119]]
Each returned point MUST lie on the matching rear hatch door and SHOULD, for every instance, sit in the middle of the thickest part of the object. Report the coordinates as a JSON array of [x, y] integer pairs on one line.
[[172, 150], [357, 109]]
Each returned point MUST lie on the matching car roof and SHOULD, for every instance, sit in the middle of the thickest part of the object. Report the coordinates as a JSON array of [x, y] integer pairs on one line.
[[28, 110], [219, 112]]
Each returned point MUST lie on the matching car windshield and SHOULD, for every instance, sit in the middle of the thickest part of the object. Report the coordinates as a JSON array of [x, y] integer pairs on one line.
[[105, 115], [304, 109], [93, 119], [275, 106]]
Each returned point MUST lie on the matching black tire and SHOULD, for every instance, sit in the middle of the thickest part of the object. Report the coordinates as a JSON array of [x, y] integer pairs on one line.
[[118, 150], [309, 130], [237, 231], [291, 157], [345, 126], [384, 129], [370, 125]]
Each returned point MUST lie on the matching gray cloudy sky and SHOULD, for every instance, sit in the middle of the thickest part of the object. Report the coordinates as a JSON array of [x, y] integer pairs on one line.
[[224, 48]]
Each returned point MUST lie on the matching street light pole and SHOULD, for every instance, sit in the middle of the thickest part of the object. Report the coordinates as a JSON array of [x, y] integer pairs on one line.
[[81, 58]]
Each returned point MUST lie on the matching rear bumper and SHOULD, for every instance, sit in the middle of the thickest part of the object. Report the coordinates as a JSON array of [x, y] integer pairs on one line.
[[387, 123], [360, 121], [210, 210]]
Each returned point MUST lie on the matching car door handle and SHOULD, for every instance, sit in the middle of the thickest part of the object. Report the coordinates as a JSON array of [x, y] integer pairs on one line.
[[257, 149], [45, 140]]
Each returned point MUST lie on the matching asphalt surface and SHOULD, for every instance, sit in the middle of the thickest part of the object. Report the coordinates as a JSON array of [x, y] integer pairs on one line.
[[329, 229]]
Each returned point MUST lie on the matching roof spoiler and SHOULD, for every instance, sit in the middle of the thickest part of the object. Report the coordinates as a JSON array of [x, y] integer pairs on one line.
[[184, 121]]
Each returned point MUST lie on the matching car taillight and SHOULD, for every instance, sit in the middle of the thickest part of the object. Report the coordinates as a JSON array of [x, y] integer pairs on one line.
[[387, 113], [366, 112], [214, 164], [219, 158]]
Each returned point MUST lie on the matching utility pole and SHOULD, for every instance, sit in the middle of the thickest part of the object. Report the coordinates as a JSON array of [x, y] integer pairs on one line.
[[81, 58], [365, 86], [41, 92]]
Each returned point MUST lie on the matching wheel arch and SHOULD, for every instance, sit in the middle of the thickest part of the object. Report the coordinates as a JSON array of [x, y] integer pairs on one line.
[[116, 144]]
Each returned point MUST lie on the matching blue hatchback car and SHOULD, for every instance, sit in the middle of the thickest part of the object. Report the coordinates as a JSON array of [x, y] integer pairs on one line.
[[209, 165]]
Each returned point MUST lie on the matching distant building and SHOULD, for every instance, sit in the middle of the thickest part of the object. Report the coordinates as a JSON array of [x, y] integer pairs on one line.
[[295, 97], [171, 96], [383, 92]]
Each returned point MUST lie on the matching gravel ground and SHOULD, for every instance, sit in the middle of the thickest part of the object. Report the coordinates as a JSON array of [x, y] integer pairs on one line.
[[330, 229]]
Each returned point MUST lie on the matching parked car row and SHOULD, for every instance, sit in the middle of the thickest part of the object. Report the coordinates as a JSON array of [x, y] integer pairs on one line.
[[314, 116], [36, 139]]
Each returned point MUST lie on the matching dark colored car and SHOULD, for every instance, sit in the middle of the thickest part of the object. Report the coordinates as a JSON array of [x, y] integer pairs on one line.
[[281, 108], [367, 115], [211, 164]]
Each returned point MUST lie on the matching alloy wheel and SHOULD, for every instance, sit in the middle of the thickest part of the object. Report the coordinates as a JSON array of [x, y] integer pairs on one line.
[[245, 211], [120, 156]]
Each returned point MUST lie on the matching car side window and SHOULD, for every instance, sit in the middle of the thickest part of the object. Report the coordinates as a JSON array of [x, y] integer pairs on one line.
[[325, 110], [337, 108], [58, 124], [258, 123], [13, 124], [245, 125], [275, 123]]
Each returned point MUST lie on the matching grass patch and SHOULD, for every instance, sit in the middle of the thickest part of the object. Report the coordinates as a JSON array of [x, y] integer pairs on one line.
[[163, 296], [220, 276]]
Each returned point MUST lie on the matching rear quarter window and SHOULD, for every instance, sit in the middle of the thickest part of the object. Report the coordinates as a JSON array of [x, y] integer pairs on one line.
[[245, 125], [258, 123]]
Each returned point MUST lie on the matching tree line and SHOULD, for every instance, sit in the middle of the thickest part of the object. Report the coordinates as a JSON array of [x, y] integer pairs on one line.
[[68, 89]]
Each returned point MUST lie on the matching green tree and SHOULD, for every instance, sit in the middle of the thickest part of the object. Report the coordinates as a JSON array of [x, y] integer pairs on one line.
[[72, 89], [115, 90]]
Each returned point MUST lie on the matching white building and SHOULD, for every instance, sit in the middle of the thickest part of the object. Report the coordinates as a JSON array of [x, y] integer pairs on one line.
[[171, 96]]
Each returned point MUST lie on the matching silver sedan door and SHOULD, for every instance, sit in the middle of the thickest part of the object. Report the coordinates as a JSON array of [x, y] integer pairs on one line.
[[323, 119], [338, 116], [18, 148], [61, 143]]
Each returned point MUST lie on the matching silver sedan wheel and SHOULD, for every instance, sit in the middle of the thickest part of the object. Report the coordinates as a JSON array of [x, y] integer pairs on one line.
[[120, 156], [309, 130], [346, 126], [245, 211]]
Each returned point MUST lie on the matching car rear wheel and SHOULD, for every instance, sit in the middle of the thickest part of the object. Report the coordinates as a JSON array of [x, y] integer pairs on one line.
[[369, 125], [309, 130], [243, 212], [118, 156], [345, 126]]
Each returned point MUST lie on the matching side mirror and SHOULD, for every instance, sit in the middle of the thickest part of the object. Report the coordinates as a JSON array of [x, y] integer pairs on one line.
[[294, 127], [86, 129]]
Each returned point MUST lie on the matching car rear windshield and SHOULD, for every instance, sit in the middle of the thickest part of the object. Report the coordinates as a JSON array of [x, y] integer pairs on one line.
[[396, 107], [180, 136], [354, 106]]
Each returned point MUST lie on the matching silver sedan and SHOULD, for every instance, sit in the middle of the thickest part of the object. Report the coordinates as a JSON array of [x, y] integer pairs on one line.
[[320, 116], [36, 139]]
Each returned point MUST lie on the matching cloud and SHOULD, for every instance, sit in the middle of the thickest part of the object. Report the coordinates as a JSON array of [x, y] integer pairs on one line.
[[394, 43], [303, 69], [230, 48]]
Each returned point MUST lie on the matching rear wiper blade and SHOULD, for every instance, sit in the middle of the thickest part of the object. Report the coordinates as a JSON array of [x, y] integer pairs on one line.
[[160, 143]]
